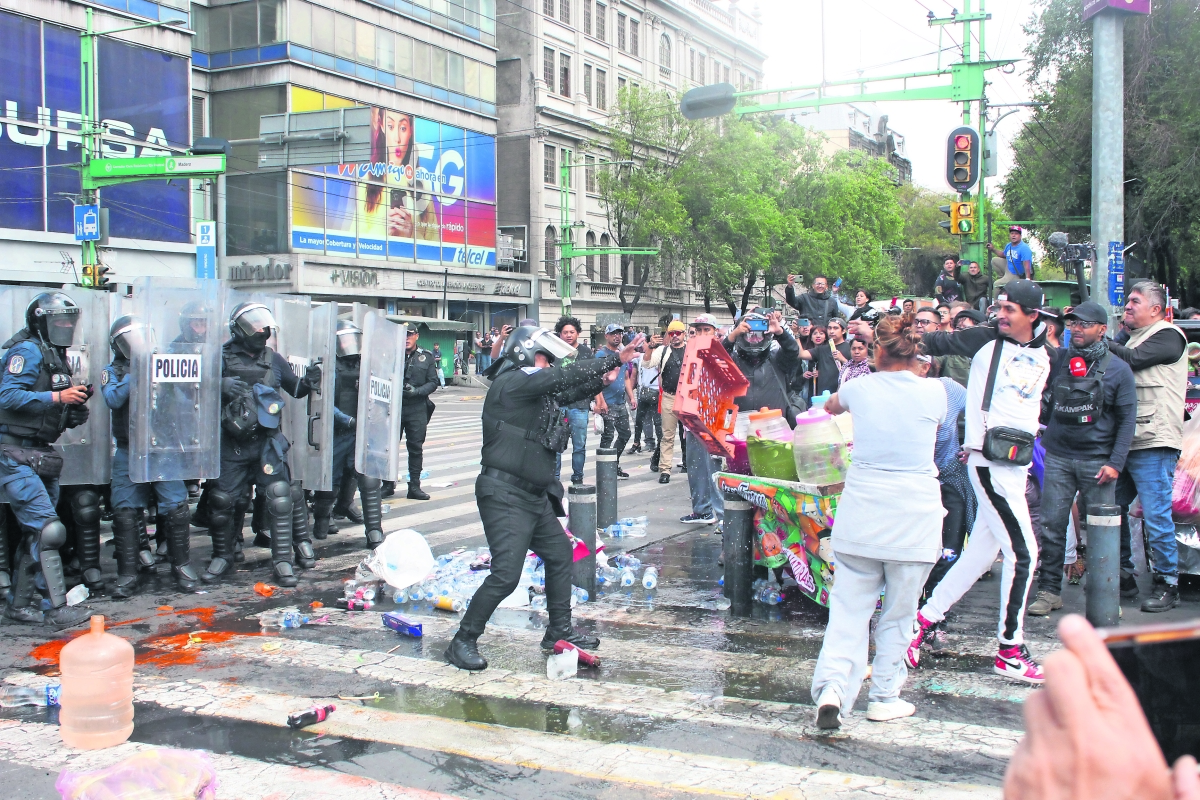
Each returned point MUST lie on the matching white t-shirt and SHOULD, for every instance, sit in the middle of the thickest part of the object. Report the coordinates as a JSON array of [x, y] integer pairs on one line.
[[1016, 398], [891, 507]]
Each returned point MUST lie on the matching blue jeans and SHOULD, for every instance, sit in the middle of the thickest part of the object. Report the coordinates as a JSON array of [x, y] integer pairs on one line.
[[701, 466], [127, 494], [578, 418], [1150, 474]]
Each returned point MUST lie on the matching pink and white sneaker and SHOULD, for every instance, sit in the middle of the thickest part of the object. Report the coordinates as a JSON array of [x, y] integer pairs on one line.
[[1015, 662], [921, 629]]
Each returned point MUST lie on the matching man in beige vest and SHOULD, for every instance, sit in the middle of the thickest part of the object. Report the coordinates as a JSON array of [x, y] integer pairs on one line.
[[1156, 352]]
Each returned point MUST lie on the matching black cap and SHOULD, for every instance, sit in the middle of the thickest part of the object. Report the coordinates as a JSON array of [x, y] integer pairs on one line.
[[1024, 293], [1089, 312], [973, 314]]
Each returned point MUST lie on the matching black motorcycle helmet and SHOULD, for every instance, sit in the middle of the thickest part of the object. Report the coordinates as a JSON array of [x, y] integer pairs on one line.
[[251, 325], [193, 322], [348, 338], [128, 333], [754, 343], [523, 344], [53, 317]]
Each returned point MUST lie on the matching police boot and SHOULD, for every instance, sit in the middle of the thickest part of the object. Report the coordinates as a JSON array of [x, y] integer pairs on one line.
[[370, 490], [85, 509], [125, 536], [279, 517], [415, 492], [5, 563], [239, 524], [162, 539], [145, 551], [322, 508], [52, 536], [463, 653], [179, 540], [220, 527], [345, 497], [564, 631], [306, 557], [258, 521], [23, 608], [389, 488]]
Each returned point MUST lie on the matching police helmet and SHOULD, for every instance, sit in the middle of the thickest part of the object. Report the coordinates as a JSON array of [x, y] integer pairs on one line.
[[754, 342], [53, 317], [193, 321], [349, 339], [251, 323], [127, 334]]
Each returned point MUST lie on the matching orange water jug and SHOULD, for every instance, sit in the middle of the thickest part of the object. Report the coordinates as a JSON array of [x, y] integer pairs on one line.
[[97, 689]]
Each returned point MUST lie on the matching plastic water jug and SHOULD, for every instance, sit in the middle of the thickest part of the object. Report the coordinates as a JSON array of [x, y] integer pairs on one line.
[[769, 447], [820, 451], [768, 423], [97, 689]]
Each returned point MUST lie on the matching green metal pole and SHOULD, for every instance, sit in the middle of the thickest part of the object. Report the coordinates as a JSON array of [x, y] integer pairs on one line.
[[564, 279], [89, 148]]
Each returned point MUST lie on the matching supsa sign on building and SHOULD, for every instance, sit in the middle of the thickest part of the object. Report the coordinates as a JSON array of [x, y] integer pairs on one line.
[[427, 194], [143, 97]]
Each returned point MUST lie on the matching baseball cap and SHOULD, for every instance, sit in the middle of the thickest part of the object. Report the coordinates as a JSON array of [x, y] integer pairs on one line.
[[269, 404], [705, 319], [1016, 228], [973, 314], [1025, 293], [1089, 312], [676, 326], [614, 327]]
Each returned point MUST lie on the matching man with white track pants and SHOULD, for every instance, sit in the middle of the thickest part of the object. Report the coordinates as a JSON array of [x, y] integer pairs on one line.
[[1004, 394]]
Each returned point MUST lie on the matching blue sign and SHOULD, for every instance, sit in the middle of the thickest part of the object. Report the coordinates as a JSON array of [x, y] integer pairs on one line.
[[87, 223], [206, 248], [1116, 274]]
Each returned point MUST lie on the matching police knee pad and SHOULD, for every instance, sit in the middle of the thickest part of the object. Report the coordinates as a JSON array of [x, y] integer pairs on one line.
[[297, 492], [85, 506], [53, 535], [220, 508], [369, 484], [279, 497]]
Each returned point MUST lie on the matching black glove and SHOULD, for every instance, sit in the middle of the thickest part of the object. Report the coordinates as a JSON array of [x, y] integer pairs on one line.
[[313, 375], [233, 387], [409, 391], [77, 415], [350, 424]]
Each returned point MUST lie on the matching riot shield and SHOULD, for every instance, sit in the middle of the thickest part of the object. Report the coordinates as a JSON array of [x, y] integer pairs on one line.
[[308, 423], [175, 382], [380, 389]]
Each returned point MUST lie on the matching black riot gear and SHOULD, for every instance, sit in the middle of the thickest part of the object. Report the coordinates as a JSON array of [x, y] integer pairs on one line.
[[251, 324], [48, 423], [53, 317], [128, 333], [522, 346], [193, 322], [349, 339]]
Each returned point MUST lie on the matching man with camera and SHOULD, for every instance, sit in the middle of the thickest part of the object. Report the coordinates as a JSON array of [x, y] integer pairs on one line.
[[766, 367], [1009, 368]]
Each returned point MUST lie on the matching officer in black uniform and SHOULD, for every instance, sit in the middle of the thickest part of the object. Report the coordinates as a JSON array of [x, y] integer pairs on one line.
[[37, 403], [253, 449], [519, 500], [420, 381], [345, 426]]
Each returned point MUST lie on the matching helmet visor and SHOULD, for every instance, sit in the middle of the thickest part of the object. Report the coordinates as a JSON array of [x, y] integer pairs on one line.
[[349, 343], [60, 326], [553, 346], [255, 320], [133, 338]]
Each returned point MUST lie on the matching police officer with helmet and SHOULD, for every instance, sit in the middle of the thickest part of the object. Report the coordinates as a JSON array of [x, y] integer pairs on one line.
[[253, 448], [519, 499], [129, 499], [421, 370], [37, 403], [345, 407]]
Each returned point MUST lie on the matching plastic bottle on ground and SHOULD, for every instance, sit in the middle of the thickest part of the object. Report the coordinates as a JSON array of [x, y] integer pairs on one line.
[[13, 696], [97, 689], [607, 576], [627, 560], [77, 595], [537, 602], [650, 578], [628, 578], [580, 593]]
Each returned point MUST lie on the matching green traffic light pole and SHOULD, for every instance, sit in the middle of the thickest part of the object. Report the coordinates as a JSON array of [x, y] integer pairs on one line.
[[567, 247]]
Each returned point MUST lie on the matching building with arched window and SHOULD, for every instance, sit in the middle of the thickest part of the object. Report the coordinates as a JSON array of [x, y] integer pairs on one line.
[[560, 70]]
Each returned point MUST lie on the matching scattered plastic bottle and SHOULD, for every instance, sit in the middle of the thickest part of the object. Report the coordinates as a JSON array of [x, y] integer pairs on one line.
[[716, 604], [400, 596], [537, 602], [650, 578], [581, 594], [627, 560], [13, 696], [310, 716], [77, 595], [769, 595], [293, 619], [539, 575], [607, 576], [628, 577], [721, 581]]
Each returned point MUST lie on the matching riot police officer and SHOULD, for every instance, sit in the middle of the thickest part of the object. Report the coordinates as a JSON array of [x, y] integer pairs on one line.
[[420, 381], [345, 392], [253, 449], [37, 403], [129, 499], [519, 500]]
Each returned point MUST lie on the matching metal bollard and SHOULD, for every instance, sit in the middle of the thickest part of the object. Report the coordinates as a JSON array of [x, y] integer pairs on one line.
[[1103, 587], [738, 538], [606, 487], [582, 510]]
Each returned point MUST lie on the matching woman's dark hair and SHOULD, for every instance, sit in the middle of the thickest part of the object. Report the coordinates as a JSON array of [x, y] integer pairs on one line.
[[870, 297], [564, 321], [897, 337]]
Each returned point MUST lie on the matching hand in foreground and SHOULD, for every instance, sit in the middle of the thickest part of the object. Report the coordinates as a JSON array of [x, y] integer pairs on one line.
[[630, 351], [1086, 736], [1106, 475], [73, 395], [775, 322]]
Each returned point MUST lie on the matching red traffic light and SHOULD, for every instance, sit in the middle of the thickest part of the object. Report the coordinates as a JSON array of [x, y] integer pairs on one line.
[[962, 142], [962, 158]]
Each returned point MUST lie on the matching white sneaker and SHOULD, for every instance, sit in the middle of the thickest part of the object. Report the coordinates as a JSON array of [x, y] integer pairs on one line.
[[829, 710], [882, 712]]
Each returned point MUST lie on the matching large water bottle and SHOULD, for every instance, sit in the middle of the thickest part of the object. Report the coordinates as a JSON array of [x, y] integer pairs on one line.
[[650, 578], [97, 689]]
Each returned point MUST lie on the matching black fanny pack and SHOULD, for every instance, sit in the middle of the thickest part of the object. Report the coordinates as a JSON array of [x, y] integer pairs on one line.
[[239, 417], [46, 463], [1080, 401], [1004, 445]]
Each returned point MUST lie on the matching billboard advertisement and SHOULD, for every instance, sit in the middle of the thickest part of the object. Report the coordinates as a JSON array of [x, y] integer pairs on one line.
[[428, 194], [143, 96]]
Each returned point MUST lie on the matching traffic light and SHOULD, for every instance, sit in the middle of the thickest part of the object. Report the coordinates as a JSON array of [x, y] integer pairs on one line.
[[101, 276], [962, 218], [962, 159], [946, 224], [88, 278]]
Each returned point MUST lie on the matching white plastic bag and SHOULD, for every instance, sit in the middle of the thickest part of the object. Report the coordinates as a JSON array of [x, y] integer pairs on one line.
[[561, 666], [403, 559]]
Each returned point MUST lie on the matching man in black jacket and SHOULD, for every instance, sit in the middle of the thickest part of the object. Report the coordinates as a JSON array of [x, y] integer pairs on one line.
[[816, 305], [1089, 408], [421, 370], [519, 500]]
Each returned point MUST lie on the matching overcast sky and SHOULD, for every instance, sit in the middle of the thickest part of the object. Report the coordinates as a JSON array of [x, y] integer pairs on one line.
[[882, 37]]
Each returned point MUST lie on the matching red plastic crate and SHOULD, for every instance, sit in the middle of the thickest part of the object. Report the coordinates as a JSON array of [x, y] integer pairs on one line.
[[709, 382]]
